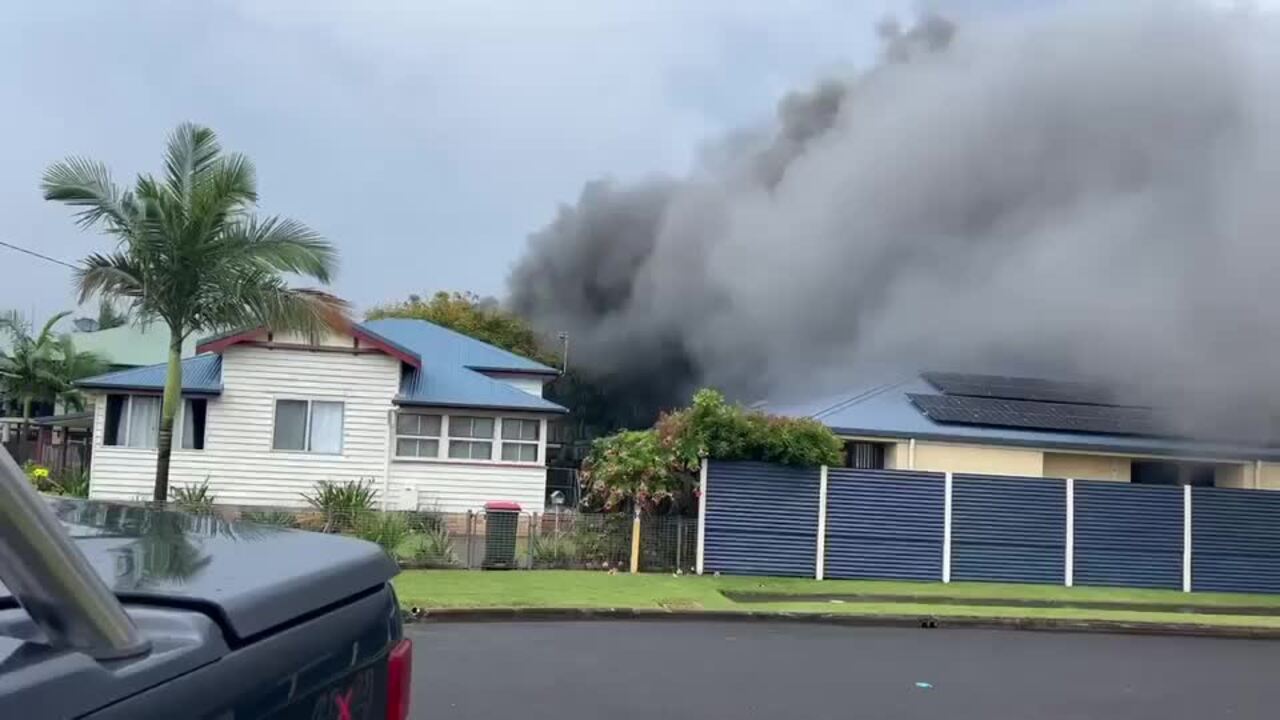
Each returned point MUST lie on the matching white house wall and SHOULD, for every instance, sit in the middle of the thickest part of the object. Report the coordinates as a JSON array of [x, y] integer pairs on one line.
[[238, 460], [458, 487], [242, 469]]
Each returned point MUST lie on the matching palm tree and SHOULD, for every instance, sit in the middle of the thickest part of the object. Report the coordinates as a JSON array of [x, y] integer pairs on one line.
[[45, 366], [190, 253]]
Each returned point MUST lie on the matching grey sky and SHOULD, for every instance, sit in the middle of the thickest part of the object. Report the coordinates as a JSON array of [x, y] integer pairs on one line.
[[426, 139]]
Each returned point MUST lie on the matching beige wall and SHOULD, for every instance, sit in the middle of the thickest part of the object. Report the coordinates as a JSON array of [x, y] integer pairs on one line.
[[993, 460], [1233, 476], [1086, 467], [941, 457], [1270, 477]]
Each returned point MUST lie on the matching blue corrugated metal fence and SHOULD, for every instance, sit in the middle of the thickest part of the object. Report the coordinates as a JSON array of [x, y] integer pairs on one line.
[[1008, 529], [1235, 540], [761, 519], [884, 524], [1128, 534]]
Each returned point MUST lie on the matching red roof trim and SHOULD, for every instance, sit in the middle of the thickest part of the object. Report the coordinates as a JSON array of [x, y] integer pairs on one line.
[[219, 344]]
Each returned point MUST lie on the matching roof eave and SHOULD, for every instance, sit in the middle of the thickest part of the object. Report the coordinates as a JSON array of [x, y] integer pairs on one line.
[[549, 372], [410, 402], [220, 343], [148, 389]]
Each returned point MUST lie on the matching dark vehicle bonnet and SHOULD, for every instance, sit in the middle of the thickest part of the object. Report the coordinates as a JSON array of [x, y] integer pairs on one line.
[[248, 578]]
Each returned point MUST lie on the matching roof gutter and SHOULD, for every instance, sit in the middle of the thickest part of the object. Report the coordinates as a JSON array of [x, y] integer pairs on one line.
[[52, 580], [1209, 453]]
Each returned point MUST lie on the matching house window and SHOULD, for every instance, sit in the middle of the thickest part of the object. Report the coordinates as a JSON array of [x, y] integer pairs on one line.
[[308, 426], [864, 455], [470, 438], [520, 440], [418, 435], [132, 421], [194, 413]]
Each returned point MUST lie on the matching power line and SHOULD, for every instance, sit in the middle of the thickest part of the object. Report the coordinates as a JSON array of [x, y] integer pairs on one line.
[[33, 253]]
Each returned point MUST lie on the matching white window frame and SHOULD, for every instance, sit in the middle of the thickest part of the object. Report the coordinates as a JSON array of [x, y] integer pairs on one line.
[[536, 442], [492, 440], [122, 425], [441, 438], [306, 430], [446, 437]]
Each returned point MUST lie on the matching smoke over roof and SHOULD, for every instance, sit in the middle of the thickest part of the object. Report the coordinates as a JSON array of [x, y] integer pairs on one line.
[[1086, 193]]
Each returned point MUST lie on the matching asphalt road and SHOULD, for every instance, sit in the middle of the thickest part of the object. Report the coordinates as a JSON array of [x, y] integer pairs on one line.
[[667, 671]]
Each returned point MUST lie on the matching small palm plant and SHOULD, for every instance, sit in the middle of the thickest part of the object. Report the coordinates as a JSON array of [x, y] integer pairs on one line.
[[342, 503], [195, 497]]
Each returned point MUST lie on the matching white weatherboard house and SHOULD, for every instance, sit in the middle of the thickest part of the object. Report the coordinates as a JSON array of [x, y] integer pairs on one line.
[[435, 419]]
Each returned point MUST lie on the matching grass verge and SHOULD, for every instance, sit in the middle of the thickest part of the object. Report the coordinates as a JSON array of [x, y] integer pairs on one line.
[[581, 589]]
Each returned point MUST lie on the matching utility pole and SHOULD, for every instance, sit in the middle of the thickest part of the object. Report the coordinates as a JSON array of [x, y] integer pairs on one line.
[[564, 351]]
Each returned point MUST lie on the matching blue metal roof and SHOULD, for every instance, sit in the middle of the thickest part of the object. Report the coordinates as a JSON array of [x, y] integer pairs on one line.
[[885, 411], [201, 375], [441, 346], [451, 363], [444, 386], [452, 372]]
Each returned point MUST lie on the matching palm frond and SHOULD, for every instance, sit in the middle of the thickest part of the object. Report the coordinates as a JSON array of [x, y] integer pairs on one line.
[[11, 321], [231, 181], [192, 149], [46, 332], [83, 183], [282, 244], [257, 298], [110, 274]]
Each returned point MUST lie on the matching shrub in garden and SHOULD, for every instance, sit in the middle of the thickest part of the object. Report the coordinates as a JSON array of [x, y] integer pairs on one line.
[[656, 469], [38, 475], [342, 503], [277, 518], [554, 551], [195, 497], [435, 549], [389, 530], [74, 483]]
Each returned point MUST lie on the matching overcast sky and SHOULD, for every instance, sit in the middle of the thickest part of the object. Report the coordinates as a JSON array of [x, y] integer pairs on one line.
[[425, 138]]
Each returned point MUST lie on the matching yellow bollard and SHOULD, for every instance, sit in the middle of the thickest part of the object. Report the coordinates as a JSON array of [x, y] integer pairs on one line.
[[635, 543]]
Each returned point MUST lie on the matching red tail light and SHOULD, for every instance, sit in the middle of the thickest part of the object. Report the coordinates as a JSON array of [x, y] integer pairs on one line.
[[399, 680]]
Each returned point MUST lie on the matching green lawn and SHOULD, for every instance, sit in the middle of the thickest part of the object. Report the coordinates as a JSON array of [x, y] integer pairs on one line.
[[579, 589]]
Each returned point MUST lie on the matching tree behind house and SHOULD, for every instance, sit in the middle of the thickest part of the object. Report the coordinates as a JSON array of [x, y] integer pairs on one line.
[[476, 317], [190, 253]]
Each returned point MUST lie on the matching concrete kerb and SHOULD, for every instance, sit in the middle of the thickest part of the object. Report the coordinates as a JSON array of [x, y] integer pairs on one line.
[[477, 615]]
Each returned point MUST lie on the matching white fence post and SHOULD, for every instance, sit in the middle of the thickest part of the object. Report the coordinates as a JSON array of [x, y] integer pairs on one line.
[[820, 562], [1186, 538], [702, 515], [1071, 533], [946, 530]]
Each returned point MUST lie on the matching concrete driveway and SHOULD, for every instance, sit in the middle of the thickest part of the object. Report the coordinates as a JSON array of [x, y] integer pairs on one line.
[[667, 671]]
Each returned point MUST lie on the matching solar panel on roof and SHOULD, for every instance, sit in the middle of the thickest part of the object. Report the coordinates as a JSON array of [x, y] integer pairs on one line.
[[1020, 388], [1032, 415]]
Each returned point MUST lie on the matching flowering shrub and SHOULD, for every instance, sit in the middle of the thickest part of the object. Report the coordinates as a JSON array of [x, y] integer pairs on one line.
[[655, 468], [37, 474]]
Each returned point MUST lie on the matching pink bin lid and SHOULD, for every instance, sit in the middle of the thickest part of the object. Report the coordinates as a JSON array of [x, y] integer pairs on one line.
[[502, 505]]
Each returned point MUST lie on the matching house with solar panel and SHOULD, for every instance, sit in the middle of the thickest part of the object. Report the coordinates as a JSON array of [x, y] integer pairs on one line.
[[433, 418], [1025, 427]]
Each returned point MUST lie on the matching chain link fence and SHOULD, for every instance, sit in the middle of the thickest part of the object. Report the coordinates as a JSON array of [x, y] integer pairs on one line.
[[564, 539]]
